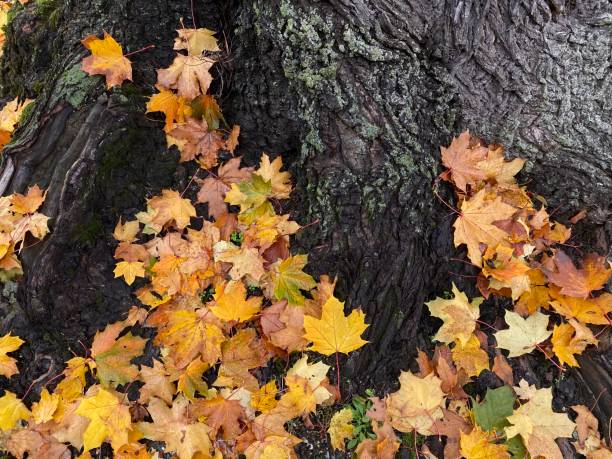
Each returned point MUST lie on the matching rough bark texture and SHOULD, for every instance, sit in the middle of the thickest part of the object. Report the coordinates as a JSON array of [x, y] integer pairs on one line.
[[357, 95]]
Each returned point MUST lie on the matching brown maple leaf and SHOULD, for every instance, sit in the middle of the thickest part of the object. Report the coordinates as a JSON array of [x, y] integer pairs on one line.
[[578, 283], [194, 140], [214, 187], [462, 161]]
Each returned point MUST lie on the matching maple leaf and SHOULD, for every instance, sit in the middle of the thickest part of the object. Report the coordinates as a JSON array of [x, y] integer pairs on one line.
[[12, 410], [173, 427], [37, 444], [156, 383], [187, 334], [214, 187], [246, 261], [589, 443], [502, 369], [174, 107], [571, 339], [271, 172], [470, 357], [575, 282], [264, 399], [8, 365], [195, 141], [189, 75], [537, 296], [340, 428], [113, 356], [109, 418], [284, 325], [29, 203], [288, 278], [190, 379], [462, 160], [299, 399], [222, 415], [9, 117], [451, 426], [497, 168], [590, 311], [129, 270], [126, 232], [196, 41], [35, 224], [43, 410], [417, 404], [167, 208], [523, 335], [477, 445], [206, 107], [241, 353], [492, 413], [385, 446], [335, 332], [316, 375], [458, 314], [539, 425], [230, 303], [474, 224], [107, 59]]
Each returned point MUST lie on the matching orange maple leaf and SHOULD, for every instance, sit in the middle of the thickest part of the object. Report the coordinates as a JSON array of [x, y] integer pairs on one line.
[[107, 59]]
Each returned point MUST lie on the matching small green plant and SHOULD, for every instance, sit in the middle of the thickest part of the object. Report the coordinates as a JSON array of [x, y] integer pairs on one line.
[[237, 238], [363, 424]]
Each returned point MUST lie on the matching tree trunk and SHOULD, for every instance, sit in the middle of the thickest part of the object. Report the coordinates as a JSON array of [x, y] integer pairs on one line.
[[357, 95]]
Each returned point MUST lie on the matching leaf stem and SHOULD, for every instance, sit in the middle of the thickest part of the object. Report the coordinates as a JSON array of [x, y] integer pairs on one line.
[[338, 376]]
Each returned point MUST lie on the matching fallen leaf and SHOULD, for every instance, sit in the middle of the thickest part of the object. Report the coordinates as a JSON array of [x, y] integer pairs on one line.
[[196, 41], [174, 107], [340, 428], [474, 226], [462, 160], [470, 357], [477, 445], [335, 332], [458, 314], [523, 335], [189, 75], [288, 279], [417, 404], [12, 410], [575, 282], [8, 365], [107, 59]]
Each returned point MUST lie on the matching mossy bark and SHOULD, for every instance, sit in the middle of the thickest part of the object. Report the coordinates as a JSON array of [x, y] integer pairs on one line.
[[356, 95]]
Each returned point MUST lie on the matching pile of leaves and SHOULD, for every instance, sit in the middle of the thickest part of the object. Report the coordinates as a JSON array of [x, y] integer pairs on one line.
[[196, 370], [19, 220], [225, 301], [518, 250]]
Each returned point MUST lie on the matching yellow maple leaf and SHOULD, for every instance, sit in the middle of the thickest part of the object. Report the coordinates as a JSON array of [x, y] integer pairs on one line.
[[288, 278], [340, 428], [9, 117], [477, 445], [28, 203], [539, 425], [43, 410], [417, 404], [474, 225], [271, 172], [12, 410], [315, 374], [109, 418], [107, 59], [335, 332], [231, 304], [196, 41], [8, 365], [569, 339], [264, 399], [126, 232], [589, 311], [190, 380], [458, 314], [174, 107], [130, 270], [497, 168], [470, 356], [523, 335]]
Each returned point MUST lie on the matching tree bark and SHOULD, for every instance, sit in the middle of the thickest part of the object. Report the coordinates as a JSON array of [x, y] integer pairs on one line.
[[357, 96]]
